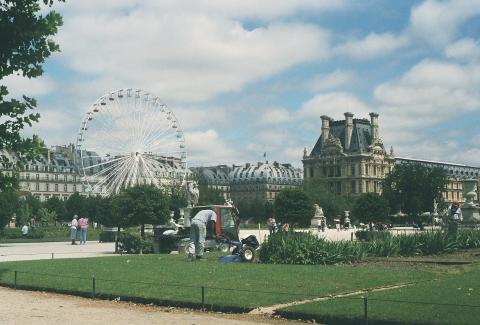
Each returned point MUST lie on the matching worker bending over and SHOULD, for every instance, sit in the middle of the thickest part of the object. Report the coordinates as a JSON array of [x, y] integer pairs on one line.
[[198, 230]]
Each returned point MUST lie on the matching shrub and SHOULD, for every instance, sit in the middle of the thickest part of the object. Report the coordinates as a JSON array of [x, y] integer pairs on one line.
[[15, 233], [304, 248], [131, 243]]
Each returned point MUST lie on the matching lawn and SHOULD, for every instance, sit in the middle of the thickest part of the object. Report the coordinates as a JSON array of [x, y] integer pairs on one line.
[[395, 306], [170, 279]]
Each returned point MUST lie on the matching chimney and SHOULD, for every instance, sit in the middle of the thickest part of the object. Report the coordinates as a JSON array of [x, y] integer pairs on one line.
[[374, 125], [325, 127], [348, 129]]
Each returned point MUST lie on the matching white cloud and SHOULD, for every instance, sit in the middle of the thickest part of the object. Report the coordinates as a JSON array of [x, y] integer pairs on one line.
[[372, 46], [207, 147], [466, 49], [332, 80], [429, 93], [332, 104], [18, 85], [274, 115], [187, 57], [191, 118], [437, 22]]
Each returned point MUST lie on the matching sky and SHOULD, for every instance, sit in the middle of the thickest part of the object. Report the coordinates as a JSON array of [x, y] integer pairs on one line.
[[246, 77]]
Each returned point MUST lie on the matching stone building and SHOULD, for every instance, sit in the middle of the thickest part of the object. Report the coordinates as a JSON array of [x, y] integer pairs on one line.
[[53, 175], [249, 182], [350, 155], [262, 181]]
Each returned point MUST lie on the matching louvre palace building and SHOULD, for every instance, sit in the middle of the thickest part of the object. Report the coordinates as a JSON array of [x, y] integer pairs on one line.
[[351, 156]]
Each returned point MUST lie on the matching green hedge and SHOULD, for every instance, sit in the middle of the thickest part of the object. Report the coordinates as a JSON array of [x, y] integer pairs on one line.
[[16, 233]]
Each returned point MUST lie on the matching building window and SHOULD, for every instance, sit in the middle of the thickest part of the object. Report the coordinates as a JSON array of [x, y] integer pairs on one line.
[[47, 177], [352, 169], [47, 187], [56, 187], [37, 176], [65, 178], [74, 188], [353, 187], [37, 187], [28, 176], [56, 178], [65, 187], [74, 178]]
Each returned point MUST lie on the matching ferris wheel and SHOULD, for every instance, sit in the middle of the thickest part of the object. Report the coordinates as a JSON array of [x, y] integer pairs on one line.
[[127, 138]]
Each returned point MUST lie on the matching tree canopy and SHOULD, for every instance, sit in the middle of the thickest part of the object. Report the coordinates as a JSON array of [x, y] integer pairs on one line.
[[293, 206], [8, 206], [140, 205], [370, 207], [412, 188], [25, 43]]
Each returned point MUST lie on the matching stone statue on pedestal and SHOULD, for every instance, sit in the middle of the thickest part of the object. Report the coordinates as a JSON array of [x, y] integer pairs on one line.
[[317, 218]]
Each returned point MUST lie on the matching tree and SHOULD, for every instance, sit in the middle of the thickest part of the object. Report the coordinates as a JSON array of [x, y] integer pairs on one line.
[[8, 206], [370, 207], [25, 43], [293, 206], [144, 204], [76, 204], [57, 206], [332, 205], [412, 188]]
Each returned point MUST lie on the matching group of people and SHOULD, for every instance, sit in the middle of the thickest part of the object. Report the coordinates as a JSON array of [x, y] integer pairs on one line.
[[76, 225], [273, 226]]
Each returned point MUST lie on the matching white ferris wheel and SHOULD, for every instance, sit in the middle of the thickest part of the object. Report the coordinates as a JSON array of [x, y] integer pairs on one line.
[[127, 138]]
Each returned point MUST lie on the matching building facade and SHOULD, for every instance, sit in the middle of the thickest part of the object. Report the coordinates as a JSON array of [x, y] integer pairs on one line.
[[261, 181], [350, 155]]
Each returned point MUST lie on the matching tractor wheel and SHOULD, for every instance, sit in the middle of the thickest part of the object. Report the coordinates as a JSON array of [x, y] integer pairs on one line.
[[247, 254]]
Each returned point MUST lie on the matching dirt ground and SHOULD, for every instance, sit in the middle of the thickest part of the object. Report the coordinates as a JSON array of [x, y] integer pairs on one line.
[[27, 307]]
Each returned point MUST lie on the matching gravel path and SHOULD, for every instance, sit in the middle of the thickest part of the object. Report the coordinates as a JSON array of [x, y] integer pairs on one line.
[[26, 307]]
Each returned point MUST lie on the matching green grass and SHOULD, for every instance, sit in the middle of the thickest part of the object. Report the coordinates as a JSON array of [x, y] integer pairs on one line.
[[449, 290], [172, 279]]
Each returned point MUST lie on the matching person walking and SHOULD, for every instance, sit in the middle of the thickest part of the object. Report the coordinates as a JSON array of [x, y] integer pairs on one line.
[[73, 230], [454, 217], [337, 223], [24, 230], [271, 224], [83, 224], [198, 231]]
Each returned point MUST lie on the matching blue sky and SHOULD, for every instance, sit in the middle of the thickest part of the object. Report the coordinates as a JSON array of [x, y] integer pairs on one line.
[[248, 77]]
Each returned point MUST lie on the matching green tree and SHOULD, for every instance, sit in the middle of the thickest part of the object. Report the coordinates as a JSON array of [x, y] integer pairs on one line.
[[23, 213], [25, 43], [370, 207], [332, 204], [76, 204], [144, 204], [8, 206], [178, 199], [57, 206], [293, 206], [412, 188]]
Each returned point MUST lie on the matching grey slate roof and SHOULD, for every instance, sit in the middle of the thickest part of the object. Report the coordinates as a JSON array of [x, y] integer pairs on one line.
[[361, 136]]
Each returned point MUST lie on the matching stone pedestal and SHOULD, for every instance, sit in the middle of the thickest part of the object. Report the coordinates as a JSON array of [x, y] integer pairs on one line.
[[316, 221], [470, 210]]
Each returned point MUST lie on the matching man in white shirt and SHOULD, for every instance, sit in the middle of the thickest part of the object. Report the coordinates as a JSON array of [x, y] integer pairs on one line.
[[454, 217], [24, 231], [198, 230], [73, 230]]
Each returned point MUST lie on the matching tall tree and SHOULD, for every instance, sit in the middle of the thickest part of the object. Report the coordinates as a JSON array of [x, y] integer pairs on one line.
[[293, 206], [144, 204], [76, 204], [25, 43], [57, 206], [209, 195], [412, 188]]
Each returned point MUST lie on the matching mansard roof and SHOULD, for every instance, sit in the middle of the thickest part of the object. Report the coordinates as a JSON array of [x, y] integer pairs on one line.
[[361, 136]]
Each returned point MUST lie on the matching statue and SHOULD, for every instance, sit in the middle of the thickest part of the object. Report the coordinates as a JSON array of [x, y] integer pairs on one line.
[[316, 221], [192, 193]]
